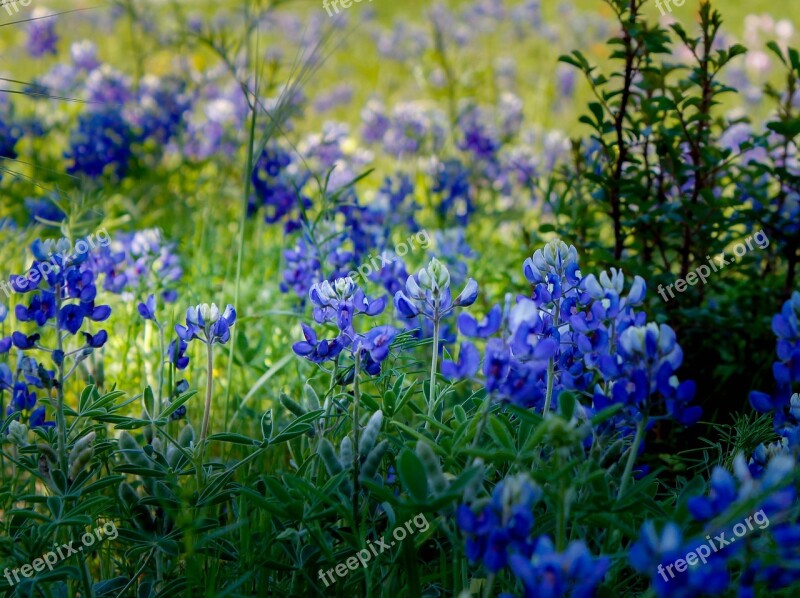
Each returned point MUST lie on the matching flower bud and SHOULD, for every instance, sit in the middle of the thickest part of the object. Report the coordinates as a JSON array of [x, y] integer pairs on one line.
[[18, 433], [436, 277], [345, 287]]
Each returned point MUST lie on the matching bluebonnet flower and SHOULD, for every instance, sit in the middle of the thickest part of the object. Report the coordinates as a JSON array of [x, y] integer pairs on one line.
[[645, 365], [487, 327], [159, 113], [786, 371], [429, 293], [42, 37], [566, 77], [148, 309], [467, 366], [84, 55], [101, 141], [340, 95], [62, 290], [317, 351], [10, 133], [5, 342], [23, 408], [502, 526], [413, 130], [302, 268], [176, 354], [276, 187], [181, 387], [652, 551], [108, 89], [205, 323], [510, 111], [23, 400], [547, 573], [374, 121], [338, 304], [723, 494], [43, 210], [451, 183], [138, 262]]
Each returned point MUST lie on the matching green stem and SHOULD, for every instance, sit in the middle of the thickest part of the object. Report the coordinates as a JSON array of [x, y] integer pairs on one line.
[[434, 359], [61, 421], [161, 372], [207, 407], [356, 456], [634, 451], [329, 397], [240, 252], [551, 369]]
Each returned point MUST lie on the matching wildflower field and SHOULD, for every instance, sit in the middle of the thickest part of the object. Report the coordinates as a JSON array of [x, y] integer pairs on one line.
[[358, 298]]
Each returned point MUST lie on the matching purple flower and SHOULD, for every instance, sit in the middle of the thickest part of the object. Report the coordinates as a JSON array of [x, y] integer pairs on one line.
[[469, 360], [148, 309], [205, 323], [317, 351]]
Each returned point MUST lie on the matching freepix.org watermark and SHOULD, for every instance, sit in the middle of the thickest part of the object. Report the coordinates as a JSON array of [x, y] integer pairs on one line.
[[715, 265], [11, 5], [702, 552], [386, 257], [61, 251], [62, 552], [326, 4], [362, 557]]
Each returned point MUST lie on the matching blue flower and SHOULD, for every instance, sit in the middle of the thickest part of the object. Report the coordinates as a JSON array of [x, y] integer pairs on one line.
[[22, 408], [376, 342], [42, 37], [786, 371], [468, 326], [205, 323], [23, 342], [317, 351], [148, 309], [469, 360], [71, 317], [102, 141], [176, 354], [503, 525], [549, 574], [723, 494]]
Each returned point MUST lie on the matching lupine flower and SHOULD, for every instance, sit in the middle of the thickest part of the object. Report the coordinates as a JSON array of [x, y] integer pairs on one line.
[[502, 526], [148, 309], [276, 187], [653, 551], [430, 291], [205, 323], [317, 351], [84, 55], [176, 354], [467, 366], [42, 37], [574, 572], [338, 304], [102, 139], [786, 370], [22, 408]]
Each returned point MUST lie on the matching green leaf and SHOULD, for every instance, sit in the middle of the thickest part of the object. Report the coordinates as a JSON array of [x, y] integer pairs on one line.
[[566, 402], [234, 438], [788, 128], [175, 405], [412, 475], [266, 424], [149, 401]]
